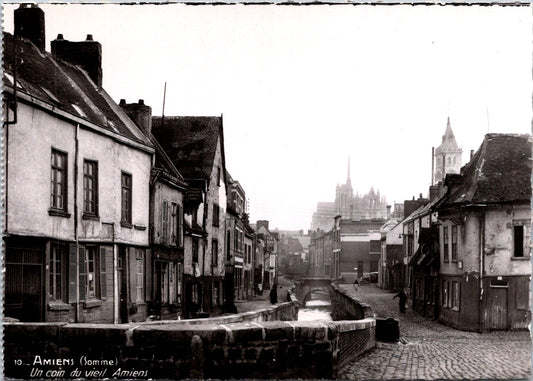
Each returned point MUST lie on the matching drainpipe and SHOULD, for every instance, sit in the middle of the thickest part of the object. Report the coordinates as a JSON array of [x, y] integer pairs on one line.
[[116, 296], [76, 221], [6, 124], [481, 303]]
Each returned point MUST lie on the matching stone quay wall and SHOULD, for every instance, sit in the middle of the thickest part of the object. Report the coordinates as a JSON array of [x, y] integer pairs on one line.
[[204, 348], [345, 307]]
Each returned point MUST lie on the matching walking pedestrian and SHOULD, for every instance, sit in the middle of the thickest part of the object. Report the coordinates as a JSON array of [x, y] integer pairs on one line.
[[355, 284], [401, 301]]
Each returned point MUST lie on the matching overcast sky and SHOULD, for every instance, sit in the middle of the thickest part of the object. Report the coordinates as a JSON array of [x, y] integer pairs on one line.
[[302, 88]]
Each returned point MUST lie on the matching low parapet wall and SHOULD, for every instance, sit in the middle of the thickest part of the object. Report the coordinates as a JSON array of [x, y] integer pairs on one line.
[[176, 351], [345, 306], [243, 346], [284, 312]]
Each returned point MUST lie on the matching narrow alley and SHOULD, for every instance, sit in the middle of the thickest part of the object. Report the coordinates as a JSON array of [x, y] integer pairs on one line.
[[428, 350]]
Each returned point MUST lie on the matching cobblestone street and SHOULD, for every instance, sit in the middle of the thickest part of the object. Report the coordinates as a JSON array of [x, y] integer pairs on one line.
[[428, 350]]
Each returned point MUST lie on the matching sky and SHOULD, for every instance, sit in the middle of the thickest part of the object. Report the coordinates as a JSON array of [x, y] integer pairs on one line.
[[304, 88]]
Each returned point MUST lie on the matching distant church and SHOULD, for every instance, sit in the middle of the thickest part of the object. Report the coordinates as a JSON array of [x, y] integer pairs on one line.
[[447, 157], [349, 206]]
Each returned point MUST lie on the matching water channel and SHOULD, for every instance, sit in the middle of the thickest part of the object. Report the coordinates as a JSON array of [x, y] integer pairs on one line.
[[317, 307]]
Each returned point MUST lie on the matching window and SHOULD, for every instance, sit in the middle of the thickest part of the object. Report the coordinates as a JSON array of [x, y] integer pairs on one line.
[[89, 276], [215, 293], [57, 280], [195, 250], [216, 215], [454, 243], [126, 198], [178, 282], [228, 246], [521, 239], [58, 181], [164, 221], [455, 295], [90, 187], [171, 283], [445, 251], [139, 275], [214, 253], [444, 298], [219, 175], [163, 280]]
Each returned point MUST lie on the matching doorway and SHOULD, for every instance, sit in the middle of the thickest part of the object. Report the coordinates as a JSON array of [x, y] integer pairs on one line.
[[24, 284]]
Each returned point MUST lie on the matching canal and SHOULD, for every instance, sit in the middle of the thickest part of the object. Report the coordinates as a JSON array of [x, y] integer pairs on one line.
[[317, 307]]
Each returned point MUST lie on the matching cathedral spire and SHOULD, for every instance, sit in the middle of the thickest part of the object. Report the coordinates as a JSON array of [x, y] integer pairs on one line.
[[348, 180]]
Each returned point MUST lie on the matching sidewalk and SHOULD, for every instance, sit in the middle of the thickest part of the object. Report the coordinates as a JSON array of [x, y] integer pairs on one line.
[[263, 301], [429, 350]]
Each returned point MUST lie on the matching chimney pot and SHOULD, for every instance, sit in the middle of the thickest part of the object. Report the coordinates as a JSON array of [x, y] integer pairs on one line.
[[141, 101], [122, 102], [59, 36], [89, 37]]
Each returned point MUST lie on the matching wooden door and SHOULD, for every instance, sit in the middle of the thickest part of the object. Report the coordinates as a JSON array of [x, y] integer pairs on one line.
[[497, 308], [23, 285], [123, 284]]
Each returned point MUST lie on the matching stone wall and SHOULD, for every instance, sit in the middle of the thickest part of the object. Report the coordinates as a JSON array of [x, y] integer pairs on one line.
[[344, 307], [203, 348]]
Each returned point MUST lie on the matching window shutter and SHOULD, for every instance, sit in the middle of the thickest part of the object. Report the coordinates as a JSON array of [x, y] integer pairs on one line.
[[103, 277], [148, 272], [83, 275], [132, 273], [180, 227], [72, 273]]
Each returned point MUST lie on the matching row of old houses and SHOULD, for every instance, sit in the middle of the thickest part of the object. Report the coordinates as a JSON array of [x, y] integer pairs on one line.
[[462, 254], [112, 214]]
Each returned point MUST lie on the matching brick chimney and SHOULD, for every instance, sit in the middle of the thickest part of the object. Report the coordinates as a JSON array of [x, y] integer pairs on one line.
[[140, 113], [86, 54], [29, 23]]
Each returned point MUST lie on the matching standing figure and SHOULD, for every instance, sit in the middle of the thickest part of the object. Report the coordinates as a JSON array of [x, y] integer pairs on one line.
[[274, 294], [402, 300], [355, 284]]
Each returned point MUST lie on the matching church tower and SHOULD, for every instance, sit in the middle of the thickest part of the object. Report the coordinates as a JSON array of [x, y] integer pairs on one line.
[[344, 196], [447, 156]]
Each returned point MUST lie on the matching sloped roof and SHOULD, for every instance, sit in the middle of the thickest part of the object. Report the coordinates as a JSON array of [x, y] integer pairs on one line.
[[295, 245], [500, 171], [65, 87], [190, 142], [162, 161]]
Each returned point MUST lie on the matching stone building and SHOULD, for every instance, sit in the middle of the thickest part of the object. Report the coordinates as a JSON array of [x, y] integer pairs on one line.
[[167, 192], [353, 207], [485, 238], [360, 248], [77, 175], [195, 145], [236, 245]]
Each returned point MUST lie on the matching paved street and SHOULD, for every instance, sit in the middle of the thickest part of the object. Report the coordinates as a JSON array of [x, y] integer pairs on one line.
[[429, 350]]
